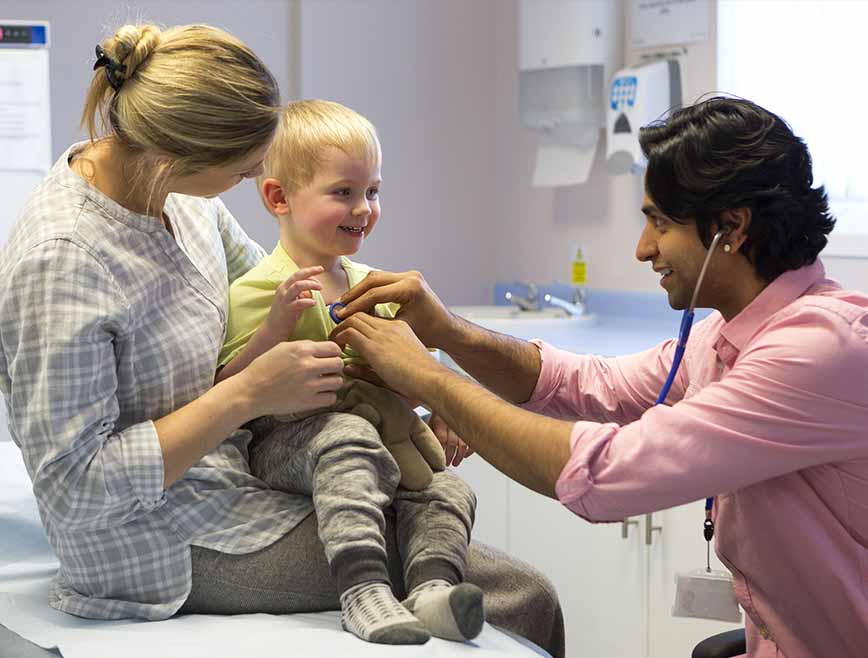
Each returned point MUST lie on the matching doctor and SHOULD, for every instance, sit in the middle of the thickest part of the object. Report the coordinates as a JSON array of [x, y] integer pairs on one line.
[[768, 413]]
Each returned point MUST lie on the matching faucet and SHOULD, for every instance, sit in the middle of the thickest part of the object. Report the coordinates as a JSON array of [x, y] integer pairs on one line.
[[577, 308], [529, 303]]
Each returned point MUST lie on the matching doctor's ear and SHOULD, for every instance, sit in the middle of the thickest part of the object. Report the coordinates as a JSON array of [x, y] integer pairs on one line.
[[733, 224], [273, 196]]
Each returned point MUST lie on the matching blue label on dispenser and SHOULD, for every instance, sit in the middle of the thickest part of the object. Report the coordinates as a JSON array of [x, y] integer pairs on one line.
[[623, 92]]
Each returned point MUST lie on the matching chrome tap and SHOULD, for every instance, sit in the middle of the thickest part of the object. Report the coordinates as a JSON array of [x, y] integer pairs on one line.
[[576, 308], [529, 303]]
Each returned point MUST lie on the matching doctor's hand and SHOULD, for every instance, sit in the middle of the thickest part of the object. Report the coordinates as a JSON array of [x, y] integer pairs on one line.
[[392, 351], [420, 307], [454, 447]]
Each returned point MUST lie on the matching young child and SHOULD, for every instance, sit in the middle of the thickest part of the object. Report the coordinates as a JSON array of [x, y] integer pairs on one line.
[[321, 181]]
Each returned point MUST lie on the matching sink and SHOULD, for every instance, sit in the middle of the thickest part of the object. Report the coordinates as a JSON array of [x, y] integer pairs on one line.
[[504, 312], [548, 323]]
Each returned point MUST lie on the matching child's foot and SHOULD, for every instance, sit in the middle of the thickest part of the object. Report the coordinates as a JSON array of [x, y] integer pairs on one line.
[[371, 612], [449, 612]]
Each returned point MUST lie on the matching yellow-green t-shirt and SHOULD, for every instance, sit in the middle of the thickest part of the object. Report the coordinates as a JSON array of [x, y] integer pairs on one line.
[[251, 296]]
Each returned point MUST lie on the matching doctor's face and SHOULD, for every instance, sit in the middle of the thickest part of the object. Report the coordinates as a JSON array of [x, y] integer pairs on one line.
[[676, 253]]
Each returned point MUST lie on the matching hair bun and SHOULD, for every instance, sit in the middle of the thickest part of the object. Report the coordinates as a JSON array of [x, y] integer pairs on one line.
[[132, 45]]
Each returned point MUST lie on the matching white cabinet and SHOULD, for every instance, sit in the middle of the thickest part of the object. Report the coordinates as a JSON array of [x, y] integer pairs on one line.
[[617, 592], [678, 547]]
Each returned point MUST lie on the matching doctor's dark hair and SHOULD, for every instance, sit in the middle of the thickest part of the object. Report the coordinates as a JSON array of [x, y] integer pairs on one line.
[[727, 153], [194, 96]]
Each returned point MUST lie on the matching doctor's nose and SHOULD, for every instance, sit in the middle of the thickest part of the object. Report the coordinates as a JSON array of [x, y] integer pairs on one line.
[[646, 248]]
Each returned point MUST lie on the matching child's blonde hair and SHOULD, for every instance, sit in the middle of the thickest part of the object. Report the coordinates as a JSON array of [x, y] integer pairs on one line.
[[192, 94], [305, 129]]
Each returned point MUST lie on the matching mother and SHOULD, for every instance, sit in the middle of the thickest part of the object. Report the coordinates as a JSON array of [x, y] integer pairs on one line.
[[113, 298]]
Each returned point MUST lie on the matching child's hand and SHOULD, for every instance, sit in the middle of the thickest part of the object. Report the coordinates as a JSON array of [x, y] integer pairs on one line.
[[291, 298]]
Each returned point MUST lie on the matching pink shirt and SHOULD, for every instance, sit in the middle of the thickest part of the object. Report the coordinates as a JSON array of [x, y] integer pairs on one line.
[[769, 413]]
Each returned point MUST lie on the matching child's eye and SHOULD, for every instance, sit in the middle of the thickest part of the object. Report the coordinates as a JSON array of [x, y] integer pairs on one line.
[[373, 193], [343, 191]]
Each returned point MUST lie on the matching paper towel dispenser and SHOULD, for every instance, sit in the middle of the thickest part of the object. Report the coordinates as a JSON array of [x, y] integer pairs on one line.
[[567, 49], [638, 95]]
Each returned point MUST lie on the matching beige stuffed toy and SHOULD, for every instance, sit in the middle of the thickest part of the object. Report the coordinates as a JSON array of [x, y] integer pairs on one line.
[[411, 442]]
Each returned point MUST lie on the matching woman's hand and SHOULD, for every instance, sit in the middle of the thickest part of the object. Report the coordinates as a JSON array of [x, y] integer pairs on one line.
[[392, 350], [292, 376], [454, 447], [291, 299], [420, 307]]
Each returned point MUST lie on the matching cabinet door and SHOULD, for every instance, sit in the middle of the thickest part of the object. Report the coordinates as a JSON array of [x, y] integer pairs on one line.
[[600, 577], [679, 547], [492, 500]]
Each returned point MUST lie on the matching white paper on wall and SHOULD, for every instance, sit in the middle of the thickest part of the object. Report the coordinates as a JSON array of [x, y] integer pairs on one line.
[[25, 116], [25, 138]]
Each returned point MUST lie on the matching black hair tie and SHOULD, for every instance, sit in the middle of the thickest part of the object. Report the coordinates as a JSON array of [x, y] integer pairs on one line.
[[112, 68]]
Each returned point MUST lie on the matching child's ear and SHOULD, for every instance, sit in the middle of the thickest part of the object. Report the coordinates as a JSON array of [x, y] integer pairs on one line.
[[273, 197]]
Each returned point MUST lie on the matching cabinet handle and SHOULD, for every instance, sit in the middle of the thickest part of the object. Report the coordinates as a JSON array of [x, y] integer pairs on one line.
[[650, 529], [625, 527]]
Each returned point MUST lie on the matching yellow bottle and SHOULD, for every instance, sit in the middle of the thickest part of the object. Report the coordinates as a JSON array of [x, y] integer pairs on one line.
[[579, 267]]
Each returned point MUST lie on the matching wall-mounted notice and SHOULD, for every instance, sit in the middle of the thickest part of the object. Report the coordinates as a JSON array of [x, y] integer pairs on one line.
[[25, 117], [668, 22], [25, 124]]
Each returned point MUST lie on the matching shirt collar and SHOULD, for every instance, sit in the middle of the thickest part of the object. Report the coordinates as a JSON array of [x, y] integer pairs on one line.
[[288, 267], [112, 208], [784, 290]]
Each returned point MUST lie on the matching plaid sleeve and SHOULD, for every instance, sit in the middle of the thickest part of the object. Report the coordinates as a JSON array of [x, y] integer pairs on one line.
[[62, 315], [242, 252]]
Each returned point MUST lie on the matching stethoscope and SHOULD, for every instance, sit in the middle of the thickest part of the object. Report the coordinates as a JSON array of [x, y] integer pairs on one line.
[[683, 335], [333, 309]]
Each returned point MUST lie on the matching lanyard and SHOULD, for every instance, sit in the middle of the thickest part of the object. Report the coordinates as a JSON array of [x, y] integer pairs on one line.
[[683, 335]]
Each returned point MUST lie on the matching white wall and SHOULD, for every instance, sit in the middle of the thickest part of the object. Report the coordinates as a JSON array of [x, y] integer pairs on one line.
[[76, 27], [422, 72], [537, 225], [601, 214]]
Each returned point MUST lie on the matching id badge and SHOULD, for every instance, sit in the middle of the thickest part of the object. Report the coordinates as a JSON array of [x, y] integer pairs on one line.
[[706, 594]]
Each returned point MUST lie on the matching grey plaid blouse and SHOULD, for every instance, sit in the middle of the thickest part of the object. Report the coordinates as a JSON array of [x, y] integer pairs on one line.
[[107, 323]]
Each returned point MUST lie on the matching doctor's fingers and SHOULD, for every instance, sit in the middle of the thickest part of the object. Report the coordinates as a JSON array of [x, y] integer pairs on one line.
[[359, 325], [380, 288]]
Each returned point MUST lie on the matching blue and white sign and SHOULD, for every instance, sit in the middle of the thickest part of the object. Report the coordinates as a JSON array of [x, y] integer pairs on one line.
[[623, 92]]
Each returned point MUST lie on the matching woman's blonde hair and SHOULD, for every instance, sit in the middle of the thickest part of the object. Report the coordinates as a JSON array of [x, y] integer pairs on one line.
[[306, 128], [194, 95]]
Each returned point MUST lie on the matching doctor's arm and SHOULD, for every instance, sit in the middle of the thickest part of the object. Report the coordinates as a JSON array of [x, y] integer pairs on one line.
[[507, 366], [528, 448]]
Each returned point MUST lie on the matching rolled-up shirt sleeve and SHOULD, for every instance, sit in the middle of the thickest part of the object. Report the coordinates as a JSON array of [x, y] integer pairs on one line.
[[617, 390], [61, 316], [767, 416]]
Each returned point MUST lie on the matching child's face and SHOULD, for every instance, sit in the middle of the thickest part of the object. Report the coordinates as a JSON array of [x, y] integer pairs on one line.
[[334, 213]]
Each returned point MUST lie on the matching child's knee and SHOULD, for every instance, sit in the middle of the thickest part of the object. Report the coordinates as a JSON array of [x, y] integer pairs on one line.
[[448, 486], [345, 436]]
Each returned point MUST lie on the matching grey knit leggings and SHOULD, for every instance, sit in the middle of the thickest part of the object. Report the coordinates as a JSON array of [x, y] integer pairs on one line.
[[355, 535], [339, 460]]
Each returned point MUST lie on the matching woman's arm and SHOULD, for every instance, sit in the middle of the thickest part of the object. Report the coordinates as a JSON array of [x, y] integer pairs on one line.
[[63, 317], [311, 370]]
